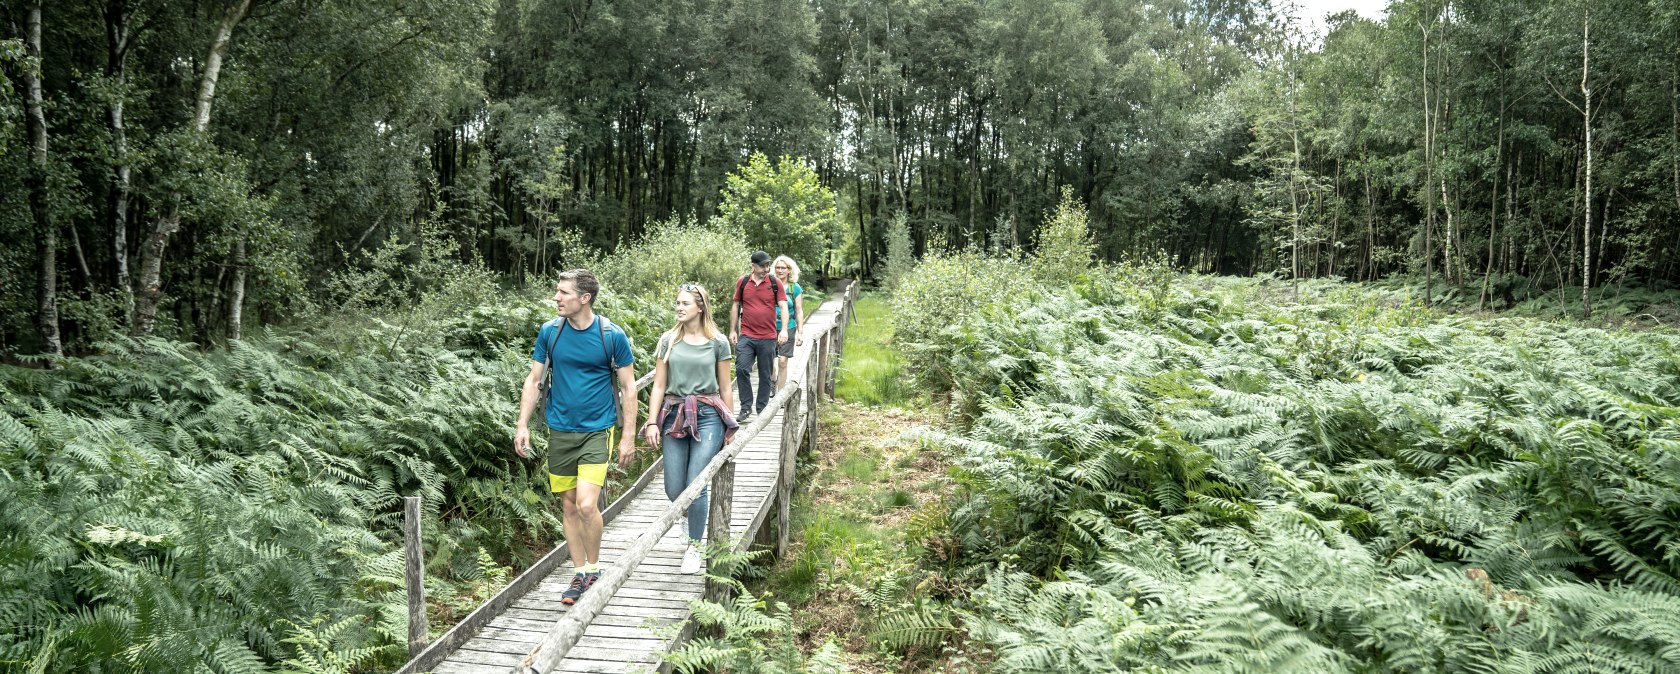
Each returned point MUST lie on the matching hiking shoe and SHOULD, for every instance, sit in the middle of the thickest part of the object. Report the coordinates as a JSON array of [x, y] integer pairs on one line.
[[580, 582], [691, 561], [590, 578]]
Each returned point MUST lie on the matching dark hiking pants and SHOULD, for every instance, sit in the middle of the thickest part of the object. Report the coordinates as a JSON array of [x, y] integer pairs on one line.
[[747, 352]]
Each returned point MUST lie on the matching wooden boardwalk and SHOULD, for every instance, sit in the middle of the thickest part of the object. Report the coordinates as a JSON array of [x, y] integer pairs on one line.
[[647, 614]]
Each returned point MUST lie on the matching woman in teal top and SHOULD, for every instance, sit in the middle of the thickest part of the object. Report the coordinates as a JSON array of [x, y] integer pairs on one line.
[[690, 405], [787, 271]]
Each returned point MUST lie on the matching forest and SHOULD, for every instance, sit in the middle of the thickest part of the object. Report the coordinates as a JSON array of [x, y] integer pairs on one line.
[[1217, 321], [194, 168]]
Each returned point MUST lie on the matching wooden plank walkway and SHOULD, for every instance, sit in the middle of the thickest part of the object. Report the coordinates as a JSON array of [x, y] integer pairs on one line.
[[647, 615]]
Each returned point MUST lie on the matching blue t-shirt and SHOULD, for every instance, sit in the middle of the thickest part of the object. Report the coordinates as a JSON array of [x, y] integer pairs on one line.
[[581, 400], [793, 293]]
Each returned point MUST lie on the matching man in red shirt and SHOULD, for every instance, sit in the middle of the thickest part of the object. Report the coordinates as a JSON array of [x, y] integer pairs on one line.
[[752, 327]]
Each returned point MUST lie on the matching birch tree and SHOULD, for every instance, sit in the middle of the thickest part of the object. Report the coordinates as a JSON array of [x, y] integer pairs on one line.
[[169, 222]]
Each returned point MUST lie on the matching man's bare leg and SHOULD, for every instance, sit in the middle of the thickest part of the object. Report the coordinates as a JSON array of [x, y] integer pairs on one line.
[[573, 521], [587, 540]]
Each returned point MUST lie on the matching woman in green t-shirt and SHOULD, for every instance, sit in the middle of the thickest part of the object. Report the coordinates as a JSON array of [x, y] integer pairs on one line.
[[690, 405], [787, 271]]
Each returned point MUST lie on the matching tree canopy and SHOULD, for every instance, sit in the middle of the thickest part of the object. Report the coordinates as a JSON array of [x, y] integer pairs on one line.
[[187, 160]]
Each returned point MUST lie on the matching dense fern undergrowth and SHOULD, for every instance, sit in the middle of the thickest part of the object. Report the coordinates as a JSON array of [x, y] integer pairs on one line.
[[171, 508], [1188, 474]]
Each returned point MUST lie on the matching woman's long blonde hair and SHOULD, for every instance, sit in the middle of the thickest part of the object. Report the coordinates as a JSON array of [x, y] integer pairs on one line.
[[707, 326], [793, 268]]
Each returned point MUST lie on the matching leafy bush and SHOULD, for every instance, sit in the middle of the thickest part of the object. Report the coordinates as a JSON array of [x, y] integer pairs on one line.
[[645, 275], [783, 209], [1183, 476], [1065, 248], [900, 255], [930, 304]]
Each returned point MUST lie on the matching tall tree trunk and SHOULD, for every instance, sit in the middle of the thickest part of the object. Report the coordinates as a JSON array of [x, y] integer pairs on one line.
[[1452, 255], [1294, 175], [1510, 260], [1336, 219], [151, 254], [1493, 201], [1428, 179], [1674, 148], [1368, 265], [236, 301], [117, 15], [46, 236], [1587, 192], [1448, 255]]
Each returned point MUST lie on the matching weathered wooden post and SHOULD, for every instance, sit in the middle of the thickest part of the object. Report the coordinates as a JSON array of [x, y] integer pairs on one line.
[[791, 435], [717, 519], [811, 391], [829, 355], [416, 576], [837, 343]]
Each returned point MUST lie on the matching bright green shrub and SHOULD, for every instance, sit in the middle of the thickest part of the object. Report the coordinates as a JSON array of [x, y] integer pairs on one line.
[[1065, 248], [900, 253], [782, 209], [645, 275], [928, 323]]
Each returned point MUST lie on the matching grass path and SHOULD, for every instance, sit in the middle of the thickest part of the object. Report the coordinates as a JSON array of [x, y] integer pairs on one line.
[[852, 560]]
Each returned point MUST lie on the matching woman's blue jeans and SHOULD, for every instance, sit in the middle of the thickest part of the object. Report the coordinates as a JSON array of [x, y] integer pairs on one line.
[[686, 457]]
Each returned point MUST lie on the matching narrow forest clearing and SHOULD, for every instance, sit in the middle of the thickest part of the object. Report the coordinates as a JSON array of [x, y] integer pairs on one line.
[[856, 541]]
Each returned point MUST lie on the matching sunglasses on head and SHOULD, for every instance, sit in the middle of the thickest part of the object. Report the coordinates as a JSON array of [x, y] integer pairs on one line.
[[689, 287]]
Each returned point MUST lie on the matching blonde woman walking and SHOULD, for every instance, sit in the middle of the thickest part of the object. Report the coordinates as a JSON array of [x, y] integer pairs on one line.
[[690, 405], [787, 271]]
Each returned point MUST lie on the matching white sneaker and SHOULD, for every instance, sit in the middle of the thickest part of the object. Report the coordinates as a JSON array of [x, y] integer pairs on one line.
[[691, 561]]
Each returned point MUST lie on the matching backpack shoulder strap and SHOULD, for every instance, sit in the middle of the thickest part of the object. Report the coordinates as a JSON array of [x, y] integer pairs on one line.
[[741, 297], [601, 325], [552, 343], [612, 363]]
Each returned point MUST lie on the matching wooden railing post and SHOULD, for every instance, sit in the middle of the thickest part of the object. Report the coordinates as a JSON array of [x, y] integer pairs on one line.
[[415, 575], [829, 357], [792, 433], [717, 519], [811, 391]]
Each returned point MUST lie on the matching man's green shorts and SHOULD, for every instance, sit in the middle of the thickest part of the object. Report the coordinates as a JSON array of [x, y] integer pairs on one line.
[[578, 456]]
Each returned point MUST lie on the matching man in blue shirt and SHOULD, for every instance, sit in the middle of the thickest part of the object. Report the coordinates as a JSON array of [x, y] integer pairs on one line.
[[583, 350]]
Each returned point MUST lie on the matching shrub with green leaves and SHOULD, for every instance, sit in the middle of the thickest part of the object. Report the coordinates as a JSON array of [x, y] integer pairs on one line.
[[1065, 248], [644, 276], [934, 298], [900, 253], [1187, 477], [783, 209]]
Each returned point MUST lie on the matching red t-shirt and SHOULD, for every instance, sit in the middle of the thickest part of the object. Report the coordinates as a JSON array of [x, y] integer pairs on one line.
[[758, 305]]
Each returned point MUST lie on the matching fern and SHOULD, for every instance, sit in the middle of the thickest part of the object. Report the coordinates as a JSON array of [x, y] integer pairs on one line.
[[1230, 485], [920, 626]]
